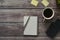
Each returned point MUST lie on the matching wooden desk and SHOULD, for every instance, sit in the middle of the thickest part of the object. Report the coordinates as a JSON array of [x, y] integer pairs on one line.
[[11, 19]]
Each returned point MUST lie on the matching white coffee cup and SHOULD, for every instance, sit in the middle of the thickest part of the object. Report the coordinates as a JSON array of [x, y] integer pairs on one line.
[[48, 13]]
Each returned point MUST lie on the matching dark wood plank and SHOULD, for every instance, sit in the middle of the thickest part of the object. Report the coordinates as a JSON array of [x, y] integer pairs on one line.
[[24, 38], [15, 28], [8, 29], [11, 29], [16, 15], [28, 38], [24, 4]]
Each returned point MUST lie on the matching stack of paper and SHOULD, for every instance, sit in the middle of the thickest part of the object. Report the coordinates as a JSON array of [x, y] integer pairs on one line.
[[34, 2], [45, 2]]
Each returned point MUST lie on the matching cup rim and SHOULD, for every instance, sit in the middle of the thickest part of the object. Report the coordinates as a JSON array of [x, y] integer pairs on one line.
[[49, 17]]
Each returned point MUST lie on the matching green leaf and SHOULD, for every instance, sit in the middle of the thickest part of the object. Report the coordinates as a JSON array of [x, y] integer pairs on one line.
[[58, 1]]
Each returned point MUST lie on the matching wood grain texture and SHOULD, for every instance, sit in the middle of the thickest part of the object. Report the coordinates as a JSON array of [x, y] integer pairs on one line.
[[12, 14], [12, 20], [17, 15], [24, 4], [28, 38]]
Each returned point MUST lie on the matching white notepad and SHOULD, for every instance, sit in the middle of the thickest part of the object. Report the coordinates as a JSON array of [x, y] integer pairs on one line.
[[31, 28]]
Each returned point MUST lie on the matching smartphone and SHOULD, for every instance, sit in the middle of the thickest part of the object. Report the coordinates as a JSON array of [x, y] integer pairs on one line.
[[53, 29]]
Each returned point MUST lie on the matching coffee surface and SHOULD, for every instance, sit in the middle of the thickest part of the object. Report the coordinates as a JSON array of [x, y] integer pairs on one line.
[[48, 13]]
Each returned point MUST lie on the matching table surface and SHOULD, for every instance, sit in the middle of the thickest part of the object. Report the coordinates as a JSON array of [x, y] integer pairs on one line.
[[12, 13]]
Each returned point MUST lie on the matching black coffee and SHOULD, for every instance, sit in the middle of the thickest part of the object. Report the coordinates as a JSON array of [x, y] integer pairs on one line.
[[48, 12]]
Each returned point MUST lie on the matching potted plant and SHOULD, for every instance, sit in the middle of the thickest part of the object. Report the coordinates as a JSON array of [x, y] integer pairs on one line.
[[58, 3]]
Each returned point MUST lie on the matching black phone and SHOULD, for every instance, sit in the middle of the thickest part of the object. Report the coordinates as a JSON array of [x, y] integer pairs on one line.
[[53, 29]]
